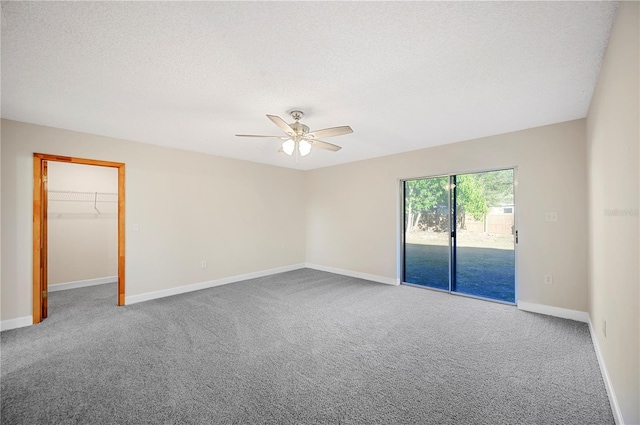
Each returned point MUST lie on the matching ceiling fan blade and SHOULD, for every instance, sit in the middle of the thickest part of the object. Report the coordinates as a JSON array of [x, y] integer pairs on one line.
[[255, 135], [282, 124], [330, 132], [324, 145]]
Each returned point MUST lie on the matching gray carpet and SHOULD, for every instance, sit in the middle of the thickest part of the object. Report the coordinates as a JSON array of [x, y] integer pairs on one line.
[[303, 347]]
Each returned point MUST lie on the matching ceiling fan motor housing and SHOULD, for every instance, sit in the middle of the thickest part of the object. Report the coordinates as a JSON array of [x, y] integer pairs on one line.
[[299, 128]]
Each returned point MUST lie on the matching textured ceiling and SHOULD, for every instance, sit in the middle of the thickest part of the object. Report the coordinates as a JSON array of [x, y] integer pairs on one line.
[[403, 75]]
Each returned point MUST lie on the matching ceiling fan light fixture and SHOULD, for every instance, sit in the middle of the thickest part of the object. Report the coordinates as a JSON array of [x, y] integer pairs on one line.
[[288, 146], [304, 147], [299, 139]]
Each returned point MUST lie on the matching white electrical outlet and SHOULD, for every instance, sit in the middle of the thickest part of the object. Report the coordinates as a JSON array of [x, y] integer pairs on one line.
[[551, 216], [203, 264], [136, 227], [548, 279], [604, 327]]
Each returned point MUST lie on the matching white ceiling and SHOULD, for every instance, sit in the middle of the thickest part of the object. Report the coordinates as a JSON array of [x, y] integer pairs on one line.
[[403, 75]]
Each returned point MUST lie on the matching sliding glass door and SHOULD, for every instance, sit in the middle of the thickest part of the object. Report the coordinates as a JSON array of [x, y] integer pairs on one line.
[[427, 224], [459, 234]]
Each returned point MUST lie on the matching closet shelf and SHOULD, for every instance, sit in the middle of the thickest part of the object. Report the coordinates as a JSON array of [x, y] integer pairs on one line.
[[68, 203], [71, 196]]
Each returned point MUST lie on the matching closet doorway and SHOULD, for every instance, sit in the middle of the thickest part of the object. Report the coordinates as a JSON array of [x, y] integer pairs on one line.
[[41, 210]]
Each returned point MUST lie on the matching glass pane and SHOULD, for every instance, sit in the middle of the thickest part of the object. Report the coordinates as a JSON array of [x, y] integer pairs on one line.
[[426, 224], [485, 254]]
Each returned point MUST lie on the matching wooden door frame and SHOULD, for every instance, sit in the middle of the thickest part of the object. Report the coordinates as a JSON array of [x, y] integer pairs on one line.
[[39, 262]]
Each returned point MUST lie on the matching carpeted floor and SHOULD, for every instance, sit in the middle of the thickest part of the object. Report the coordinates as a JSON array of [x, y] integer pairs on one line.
[[303, 347]]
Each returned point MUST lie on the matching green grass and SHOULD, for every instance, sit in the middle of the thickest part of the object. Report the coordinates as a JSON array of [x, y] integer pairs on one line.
[[483, 272]]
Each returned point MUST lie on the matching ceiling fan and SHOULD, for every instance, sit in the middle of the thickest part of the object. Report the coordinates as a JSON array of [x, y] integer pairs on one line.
[[298, 138]]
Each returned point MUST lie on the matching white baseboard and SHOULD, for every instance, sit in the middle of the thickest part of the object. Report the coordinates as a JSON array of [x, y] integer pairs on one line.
[[613, 401], [581, 316], [18, 322], [82, 283], [564, 313], [359, 275], [133, 299]]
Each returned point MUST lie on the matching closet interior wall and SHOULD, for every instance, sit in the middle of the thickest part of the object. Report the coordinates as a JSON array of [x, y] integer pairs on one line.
[[83, 223]]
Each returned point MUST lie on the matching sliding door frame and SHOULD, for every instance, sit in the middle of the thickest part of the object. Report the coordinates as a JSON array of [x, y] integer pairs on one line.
[[452, 228], [40, 242], [403, 243]]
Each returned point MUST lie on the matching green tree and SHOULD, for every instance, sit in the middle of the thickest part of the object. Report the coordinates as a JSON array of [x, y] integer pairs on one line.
[[475, 193], [422, 196], [497, 186], [470, 196]]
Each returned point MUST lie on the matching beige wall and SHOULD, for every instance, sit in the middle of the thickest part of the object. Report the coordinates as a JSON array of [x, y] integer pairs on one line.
[[354, 208], [82, 241], [613, 137], [242, 217], [239, 216]]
